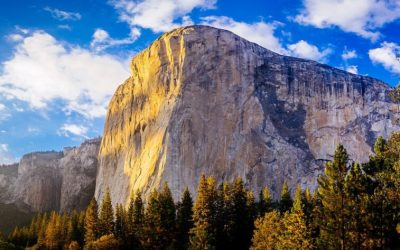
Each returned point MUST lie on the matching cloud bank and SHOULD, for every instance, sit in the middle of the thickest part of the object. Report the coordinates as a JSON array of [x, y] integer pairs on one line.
[[43, 70]]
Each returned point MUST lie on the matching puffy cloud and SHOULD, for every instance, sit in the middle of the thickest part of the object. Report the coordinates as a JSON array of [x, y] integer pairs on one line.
[[159, 16], [43, 70], [305, 50], [5, 156], [349, 54], [388, 55], [102, 40], [261, 32], [73, 129], [362, 17], [63, 15], [352, 69]]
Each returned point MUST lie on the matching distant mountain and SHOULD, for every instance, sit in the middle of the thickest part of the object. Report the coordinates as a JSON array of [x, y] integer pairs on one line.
[[44, 181]]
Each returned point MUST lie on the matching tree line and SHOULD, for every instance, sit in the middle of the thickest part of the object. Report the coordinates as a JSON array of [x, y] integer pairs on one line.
[[355, 206]]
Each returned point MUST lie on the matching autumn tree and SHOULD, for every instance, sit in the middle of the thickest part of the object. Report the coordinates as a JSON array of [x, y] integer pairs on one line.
[[267, 232], [295, 233]]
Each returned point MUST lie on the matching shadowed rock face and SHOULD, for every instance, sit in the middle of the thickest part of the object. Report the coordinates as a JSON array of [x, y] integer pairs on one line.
[[205, 101], [45, 181]]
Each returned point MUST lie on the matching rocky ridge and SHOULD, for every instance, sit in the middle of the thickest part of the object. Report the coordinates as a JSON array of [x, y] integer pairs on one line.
[[45, 181]]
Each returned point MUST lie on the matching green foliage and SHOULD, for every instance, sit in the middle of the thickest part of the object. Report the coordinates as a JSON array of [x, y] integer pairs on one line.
[[285, 202], [106, 217], [204, 232], [91, 222], [356, 206], [184, 221], [265, 204]]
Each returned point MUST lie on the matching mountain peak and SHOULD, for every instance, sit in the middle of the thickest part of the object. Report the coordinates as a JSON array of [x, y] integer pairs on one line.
[[202, 100]]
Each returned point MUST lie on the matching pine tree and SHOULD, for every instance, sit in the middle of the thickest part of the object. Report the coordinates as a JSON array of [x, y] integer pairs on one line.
[[203, 235], [152, 228], [238, 226], [91, 222], [285, 203], [265, 204], [167, 217], [184, 220], [106, 217], [333, 197], [357, 199], [120, 225]]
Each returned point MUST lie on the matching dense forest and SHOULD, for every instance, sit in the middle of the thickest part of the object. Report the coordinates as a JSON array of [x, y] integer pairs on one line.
[[356, 206]]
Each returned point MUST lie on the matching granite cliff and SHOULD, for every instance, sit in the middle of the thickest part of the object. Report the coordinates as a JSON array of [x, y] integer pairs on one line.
[[44, 181], [202, 100]]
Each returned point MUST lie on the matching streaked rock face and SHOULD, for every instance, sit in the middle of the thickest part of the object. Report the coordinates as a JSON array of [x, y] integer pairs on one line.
[[205, 101], [46, 181]]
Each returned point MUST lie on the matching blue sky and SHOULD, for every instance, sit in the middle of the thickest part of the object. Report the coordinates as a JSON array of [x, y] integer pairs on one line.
[[60, 61]]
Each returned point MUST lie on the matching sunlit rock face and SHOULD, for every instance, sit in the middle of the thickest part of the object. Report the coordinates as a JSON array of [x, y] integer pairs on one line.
[[204, 101], [60, 181]]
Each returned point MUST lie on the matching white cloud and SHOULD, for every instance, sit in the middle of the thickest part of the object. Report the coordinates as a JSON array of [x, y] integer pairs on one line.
[[388, 55], [4, 114], [261, 32], [305, 50], [63, 15], [15, 37], [102, 40], [349, 54], [5, 156], [352, 69], [43, 70], [159, 16], [73, 129], [64, 27], [363, 17]]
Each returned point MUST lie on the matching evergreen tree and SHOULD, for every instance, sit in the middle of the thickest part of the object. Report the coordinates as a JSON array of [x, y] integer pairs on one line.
[[106, 217], [285, 203], [159, 227], [265, 204], [203, 235], [91, 222], [184, 220], [135, 217], [120, 225], [167, 217], [355, 190], [333, 196]]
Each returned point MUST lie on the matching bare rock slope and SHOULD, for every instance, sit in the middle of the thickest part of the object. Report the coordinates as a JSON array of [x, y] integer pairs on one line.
[[45, 181], [205, 101]]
